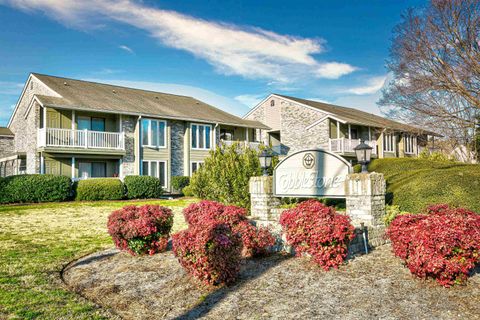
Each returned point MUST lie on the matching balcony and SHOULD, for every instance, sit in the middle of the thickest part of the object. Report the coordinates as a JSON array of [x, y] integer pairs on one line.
[[80, 139], [252, 145], [344, 145]]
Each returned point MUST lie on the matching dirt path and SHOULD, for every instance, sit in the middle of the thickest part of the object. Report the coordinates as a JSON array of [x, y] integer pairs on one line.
[[376, 286]]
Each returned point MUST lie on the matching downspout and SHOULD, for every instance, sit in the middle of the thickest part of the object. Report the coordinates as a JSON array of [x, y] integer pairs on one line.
[[139, 145], [215, 137]]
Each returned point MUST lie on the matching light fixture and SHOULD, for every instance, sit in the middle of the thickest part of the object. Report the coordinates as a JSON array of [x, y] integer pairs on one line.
[[265, 158], [364, 153]]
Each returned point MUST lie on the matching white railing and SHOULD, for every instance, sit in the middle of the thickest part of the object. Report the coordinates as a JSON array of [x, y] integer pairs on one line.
[[66, 138], [253, 145], [344, 145]]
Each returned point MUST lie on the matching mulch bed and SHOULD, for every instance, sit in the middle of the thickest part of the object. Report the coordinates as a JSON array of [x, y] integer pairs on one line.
[[374, 286]]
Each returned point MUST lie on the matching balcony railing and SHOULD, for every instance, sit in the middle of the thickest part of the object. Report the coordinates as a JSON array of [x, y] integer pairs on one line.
[[87, 139], [344, 145], [252, 145]]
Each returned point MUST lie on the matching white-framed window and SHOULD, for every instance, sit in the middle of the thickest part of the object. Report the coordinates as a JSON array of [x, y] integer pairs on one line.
[[410, 143], [194, 166], [154, 133], [201, 136], [157, 169], [389, 142]]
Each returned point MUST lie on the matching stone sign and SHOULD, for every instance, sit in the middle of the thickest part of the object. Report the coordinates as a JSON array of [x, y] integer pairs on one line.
[[311, 173]]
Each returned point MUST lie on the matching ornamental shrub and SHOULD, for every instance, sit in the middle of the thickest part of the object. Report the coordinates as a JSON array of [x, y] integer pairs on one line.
[[143, 187], [255, 241], [179, 183], [209, 251], [443, 243], [35, 188], [315, 229], [141, 230], [94, 189], [225, 175]]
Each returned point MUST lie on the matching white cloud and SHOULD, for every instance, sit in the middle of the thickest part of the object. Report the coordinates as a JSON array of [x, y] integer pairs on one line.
[[126, 48], [221, 102], [8, 87], [245, 51], [250, 100], [372, 86]]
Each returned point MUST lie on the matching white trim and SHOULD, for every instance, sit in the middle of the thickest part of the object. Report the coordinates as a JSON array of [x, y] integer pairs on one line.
[[42, 163], [198, 136], [338, 130], [158, 169], [198, 165], [150, 136], [73, 167]]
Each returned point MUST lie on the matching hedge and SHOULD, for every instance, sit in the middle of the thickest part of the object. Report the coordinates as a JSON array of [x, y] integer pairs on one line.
[[143, 187], [413, 184], [99, 189], [35, 188], [180, 182]]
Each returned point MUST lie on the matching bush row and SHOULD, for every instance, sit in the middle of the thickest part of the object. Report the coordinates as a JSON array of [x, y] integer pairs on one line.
[[49, 188], [442, 243]]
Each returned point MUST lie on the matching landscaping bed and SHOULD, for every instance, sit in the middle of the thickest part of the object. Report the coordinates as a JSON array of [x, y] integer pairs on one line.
[[376, 285]]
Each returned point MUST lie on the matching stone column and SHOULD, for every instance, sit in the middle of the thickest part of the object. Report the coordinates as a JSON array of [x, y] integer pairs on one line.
[[263, 203], [365, 204]]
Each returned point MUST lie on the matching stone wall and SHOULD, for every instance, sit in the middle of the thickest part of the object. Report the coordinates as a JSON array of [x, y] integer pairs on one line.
[[128, 162], [7, 146], [177, 147]]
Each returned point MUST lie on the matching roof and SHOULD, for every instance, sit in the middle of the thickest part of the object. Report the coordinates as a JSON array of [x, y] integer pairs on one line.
[[93, 96], [5, 132], [355, 116]]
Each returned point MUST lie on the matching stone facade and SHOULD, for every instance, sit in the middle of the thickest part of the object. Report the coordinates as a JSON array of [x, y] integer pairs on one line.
[[7, 146], [129, 124], [177, 146]]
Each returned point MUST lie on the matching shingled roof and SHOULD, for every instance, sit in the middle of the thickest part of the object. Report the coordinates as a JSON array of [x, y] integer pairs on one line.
[[93, 96], [355, 116]]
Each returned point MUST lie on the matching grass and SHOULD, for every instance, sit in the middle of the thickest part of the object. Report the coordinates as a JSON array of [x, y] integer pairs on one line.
[[37, 240]]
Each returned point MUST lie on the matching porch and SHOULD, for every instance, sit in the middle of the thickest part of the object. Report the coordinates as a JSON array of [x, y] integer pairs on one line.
[[346, 146], [80, 166]]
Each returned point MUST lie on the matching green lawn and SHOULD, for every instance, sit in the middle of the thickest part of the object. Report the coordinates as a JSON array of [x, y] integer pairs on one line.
[[36, 241]]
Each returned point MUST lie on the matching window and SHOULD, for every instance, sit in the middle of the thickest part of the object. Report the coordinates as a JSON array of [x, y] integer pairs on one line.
[[226, 134], [157, 169], [92, 170], [388, 142], [194, 166], [154, 133], [409, 144], [91, 123], [201, 137], [272, 103]]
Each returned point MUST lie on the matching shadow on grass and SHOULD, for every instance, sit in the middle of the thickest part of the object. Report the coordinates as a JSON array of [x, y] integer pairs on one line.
[[252, 269], [94, 258]]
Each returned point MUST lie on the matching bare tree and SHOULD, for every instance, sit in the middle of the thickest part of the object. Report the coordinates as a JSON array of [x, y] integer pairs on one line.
[[435, 63]]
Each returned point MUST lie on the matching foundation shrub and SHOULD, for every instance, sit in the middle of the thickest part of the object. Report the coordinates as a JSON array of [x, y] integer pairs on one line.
[[143, 187], [442, 243], [179, 183], [317, 230], [209, 251], [100, 189], [141, 230], [225, 175], [35, 188], [255, 241]]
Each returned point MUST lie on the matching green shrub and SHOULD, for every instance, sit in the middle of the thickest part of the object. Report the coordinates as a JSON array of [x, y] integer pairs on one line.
[[179, 183], [100, 189], [391, 212], [225, 175], [188, 191], [143, 187], [35, 188], [413, 184]]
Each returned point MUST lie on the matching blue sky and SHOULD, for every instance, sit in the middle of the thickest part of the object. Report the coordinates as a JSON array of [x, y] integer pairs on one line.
[[230, 54]]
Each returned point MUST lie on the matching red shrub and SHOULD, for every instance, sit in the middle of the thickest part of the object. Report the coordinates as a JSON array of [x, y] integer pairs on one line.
[[141, 230], [209, 251], [255, 241], [443, 243], [319, 231]]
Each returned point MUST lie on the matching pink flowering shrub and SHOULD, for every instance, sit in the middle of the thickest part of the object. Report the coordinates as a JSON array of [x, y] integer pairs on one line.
[[141, 230], [443, 243], [209, 251], [315, 229], [255, 241]]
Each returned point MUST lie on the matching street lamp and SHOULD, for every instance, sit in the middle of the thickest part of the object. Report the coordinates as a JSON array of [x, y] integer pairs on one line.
[[364, 153], [265, 158]]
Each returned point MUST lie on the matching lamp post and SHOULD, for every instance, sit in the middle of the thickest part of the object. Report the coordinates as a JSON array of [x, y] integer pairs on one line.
[[363, 152], [265, 161]]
